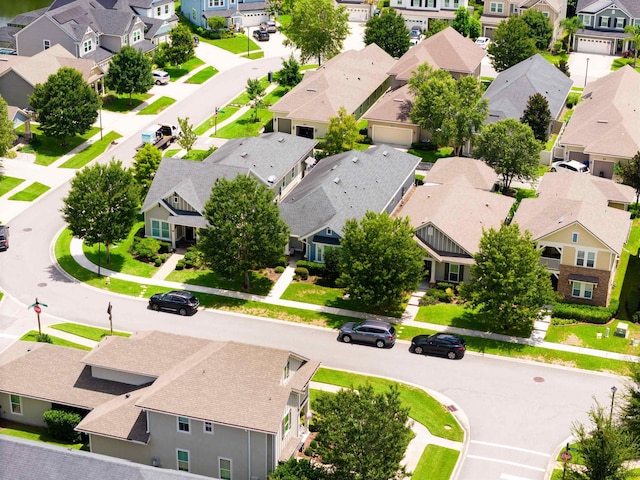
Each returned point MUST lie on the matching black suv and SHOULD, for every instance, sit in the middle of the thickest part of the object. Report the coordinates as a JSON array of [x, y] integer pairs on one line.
[[449, 344], [4, 237], [380, 334], [261, 35], [179, 301]]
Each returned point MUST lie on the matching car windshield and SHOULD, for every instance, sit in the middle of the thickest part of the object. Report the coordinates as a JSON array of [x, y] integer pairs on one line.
[[392, 330]]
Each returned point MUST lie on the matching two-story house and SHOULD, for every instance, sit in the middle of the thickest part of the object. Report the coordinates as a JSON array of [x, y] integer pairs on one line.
[[220, 409], [420, 12], [159, 17], [604, 22], [237, 13]]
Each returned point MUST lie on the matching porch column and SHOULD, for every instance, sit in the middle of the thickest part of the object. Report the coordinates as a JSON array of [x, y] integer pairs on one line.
[[173, 236], [432, 273]]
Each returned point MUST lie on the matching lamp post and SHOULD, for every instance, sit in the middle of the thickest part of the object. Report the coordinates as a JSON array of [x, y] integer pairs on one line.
[[613, 397], [586, 72], [248, 42]]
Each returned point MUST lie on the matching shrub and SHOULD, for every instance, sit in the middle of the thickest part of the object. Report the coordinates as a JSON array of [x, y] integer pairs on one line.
[[279, 269], [44, 338], [302, 272], [332, 259], [425, 146], [157, 261], [557, 48], [573, 99], [11, 154], [109, 99], [584, 313], [313, 268], [165, 247], [180, 265], [145, 247], [281, 262], [61, 424], [435, 295], [445, 286]]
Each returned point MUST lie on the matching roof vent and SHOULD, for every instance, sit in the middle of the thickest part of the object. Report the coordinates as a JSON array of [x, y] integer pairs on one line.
[[334, 167], [336, 180], [310, 89], [561, 220], [244, 154], [399, 100], [281, 139], [271, 179], [126, 395], [603, 121], [385, 153], [354, 159]]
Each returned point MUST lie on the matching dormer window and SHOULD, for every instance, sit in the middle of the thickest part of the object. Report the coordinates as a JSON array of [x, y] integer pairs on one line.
[[286, 372], [87, 46], [137, 36], [175, 198], [329, 231]]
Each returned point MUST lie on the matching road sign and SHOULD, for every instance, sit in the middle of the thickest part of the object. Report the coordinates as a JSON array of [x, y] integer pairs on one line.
[[566, 456], [37, 309]]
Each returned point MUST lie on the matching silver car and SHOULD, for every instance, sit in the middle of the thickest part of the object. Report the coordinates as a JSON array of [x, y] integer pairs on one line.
[[160, 77]]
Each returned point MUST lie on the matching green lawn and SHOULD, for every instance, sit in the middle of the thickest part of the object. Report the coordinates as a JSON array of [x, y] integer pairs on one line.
[[223, 114], [237, 44], [555, 59], [584, 335], [550, 142], [79, 160], [242, 99], [275, 95], [171, 152], [621, 62], [198, 155], [121, 103], [254, 55], [85, 331], [176, 72], [245, 126], [202, 76], [48, 149], [436, 463], [157, 106], [627, 280], [35, 434], [32, 336], [9, 183], [30, 193], [260, 285], [432, 156]]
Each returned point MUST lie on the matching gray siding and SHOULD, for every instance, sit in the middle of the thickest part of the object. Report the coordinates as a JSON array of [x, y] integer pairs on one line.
[[400, 194], [29, 40], [32, 410], [111, 42], [612, 15], [439, 241], [15, 90], [134, 452]]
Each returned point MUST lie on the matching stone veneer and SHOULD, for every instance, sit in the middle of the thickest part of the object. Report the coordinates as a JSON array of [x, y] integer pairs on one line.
[[600, 291]]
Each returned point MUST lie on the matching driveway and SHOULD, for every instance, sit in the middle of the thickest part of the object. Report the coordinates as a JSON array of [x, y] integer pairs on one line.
[[587, 67]]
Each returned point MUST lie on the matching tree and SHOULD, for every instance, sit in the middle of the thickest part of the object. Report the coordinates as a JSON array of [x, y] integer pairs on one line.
[[181, 45], [289, 75], [318, 28], [633, 34], [65, 104], [630, 173], [435, 26], [540, 27], [461, 21], [145, 166], [7, 134], [538, 116], [362, 434], [563, 66], [102, 204], [245, 230], [298, 470], [475, 28], [571, 25], [255, 91], [450, 110], [187, 137], [380, 260], [630, 416], [510, 148], [216, 23], [129, 72], [389, 31], [512, 43], [509, 285], [342, 133], [603, 446]]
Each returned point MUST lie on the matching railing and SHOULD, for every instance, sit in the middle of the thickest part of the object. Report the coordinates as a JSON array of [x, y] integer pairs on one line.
[[550, 263]]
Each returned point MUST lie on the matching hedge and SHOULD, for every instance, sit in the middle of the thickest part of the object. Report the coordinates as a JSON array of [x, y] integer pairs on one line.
[[316, 269], [584, 313], [61, 425], [302, 272]]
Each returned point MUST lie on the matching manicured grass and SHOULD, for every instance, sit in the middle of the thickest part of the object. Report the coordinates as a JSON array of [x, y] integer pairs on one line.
[[584, 335], [1, 295], [48, 149], [432, 156], [181, 70], [550, 142], [275, 95], [245, 126], [627, 280], [254, 55], [260, 285], [198, 155], [79, 160], [423, 407], [242, 99], [237, 44], [30, 193], [85, 331], [555, 59], [171, 152], [618, 63], [32, 336], [202, 76], [9, 183], [568, 115], [436, 463], [121, 103], [35, 434], [223, 114], [157, 106]]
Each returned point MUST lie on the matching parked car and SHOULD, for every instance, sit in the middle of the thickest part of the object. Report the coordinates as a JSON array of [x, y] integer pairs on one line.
[[261, 35], [483, 42], [270, 26], [569, 166], [4, 237], [160, 77], [415, 32], [380, 334], [177, 300], [449, 344]]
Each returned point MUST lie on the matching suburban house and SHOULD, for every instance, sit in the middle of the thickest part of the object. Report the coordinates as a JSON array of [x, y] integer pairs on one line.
[[510, 91], [604, 22], [8, 31], [358, 10], [420, 12], [173, 206], [604, 127], [450, 213], [216, 408], [581, 237], [353, 80], [19, 75], [342, 187], [238, 13]]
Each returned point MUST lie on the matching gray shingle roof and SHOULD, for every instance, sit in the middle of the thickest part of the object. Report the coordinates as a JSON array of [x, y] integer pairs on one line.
[[509, 93], [594, 6], [339, 188]]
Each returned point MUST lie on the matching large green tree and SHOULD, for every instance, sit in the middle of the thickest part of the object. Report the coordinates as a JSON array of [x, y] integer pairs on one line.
[[630, 173], [245, 229], [318, 28], [510, 148], [255, 91], [462, 21], [145, 166], [289, 75], [342, 133], [102, 204], [452, 111], [633, 34], [508, 284], [181, 46], [630, 411], [389, 31], [538, 116], [436, 25], [65, 104], [540, 28], [512, 43], [7, 134], [129, 72], [380, 260], [298, 470], [571, 25], [362, 434]]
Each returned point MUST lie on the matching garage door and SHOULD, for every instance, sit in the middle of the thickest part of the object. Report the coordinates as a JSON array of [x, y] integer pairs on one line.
[[392, 135], [592, 45], [358, 14]]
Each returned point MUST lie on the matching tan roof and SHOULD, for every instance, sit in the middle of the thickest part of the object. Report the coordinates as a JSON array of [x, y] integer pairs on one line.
[[607, 121], [545, 216], [393, 106], [475, 173], [446, 50], [347, 79], [553, 4], [7, 62], [460, 212], [584, 187]]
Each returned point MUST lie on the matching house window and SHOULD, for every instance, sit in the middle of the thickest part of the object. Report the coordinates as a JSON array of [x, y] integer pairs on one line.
[[88, 46], [160, 229], [16, 404], [604, 21], [183, 424], [574, 237], [586, 259], [496, 7], [286, 423], [431, 3], [193, 14], [586, 20], [293, 172], [320, 253], [399, 3], [456, 4], [159, 11], [208, 427], [46, 44], [166, 9], [454, 272], [224, 465], [546, 14], [286, 371], [620, 22], [447, 3], [582, 290], [329, 231], [183, 460], [137, 36]]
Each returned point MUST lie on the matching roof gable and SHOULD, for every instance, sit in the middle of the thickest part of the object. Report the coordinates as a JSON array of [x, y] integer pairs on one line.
[[451, 170], [559, 185]]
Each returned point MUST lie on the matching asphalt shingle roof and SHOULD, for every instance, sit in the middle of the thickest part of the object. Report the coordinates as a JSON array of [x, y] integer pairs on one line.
[[470, 171], [559, 185], [593, 6]]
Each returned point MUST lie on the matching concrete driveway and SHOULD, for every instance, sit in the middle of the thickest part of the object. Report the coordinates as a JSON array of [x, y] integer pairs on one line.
[[587, 67]]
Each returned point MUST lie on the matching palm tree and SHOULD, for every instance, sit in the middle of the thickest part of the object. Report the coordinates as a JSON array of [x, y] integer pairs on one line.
[[571, 26], [633, 34]]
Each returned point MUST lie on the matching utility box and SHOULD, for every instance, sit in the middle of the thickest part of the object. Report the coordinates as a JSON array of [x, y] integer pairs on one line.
[[622, 330]]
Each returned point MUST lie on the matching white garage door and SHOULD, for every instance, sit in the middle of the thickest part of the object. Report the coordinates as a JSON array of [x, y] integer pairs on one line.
[[358, 14], [592, 45], [392, 135]]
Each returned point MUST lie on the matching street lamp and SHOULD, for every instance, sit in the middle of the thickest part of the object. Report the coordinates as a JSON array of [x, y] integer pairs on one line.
[[586, 72], [248, 43], [613, 397]]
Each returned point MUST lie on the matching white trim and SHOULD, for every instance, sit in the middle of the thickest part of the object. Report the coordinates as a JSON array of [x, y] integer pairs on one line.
[[582, 286], [220, 459], [188, 424], [585, 258], [178, 460], [204, 428], [11, 404]]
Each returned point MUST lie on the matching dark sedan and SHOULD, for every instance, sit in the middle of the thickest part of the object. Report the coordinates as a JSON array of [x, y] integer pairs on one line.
[[261, 35], [443, 344], [177, 301]]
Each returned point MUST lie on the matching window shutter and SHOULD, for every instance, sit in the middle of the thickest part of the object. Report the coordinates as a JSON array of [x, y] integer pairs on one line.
[[461, 274], [446, 272]]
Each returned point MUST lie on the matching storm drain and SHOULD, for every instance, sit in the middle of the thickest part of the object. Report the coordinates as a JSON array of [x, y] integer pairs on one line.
[[451, 408], [538, 379]]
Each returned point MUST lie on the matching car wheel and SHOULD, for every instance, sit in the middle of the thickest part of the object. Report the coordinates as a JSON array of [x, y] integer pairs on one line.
[[451, 355], [553, 169], [346, 339], [157, 82], [182, 311], [379, 344], [155, 306], [418, 350]]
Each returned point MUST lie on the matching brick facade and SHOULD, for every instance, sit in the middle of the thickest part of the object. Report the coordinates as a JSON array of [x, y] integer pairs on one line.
[[600, 291]]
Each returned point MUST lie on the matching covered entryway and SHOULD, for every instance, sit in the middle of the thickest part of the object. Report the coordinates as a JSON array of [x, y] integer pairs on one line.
[[392, 135], [594, 45]]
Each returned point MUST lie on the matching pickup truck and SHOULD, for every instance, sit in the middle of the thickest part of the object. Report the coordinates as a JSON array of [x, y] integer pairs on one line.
[[160, 137]]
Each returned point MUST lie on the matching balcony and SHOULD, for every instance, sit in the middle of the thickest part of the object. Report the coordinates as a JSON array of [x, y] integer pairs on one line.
[[550, 263]]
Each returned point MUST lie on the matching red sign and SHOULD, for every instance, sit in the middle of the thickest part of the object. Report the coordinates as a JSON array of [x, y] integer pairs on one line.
[[37, 309], [566, 456]]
